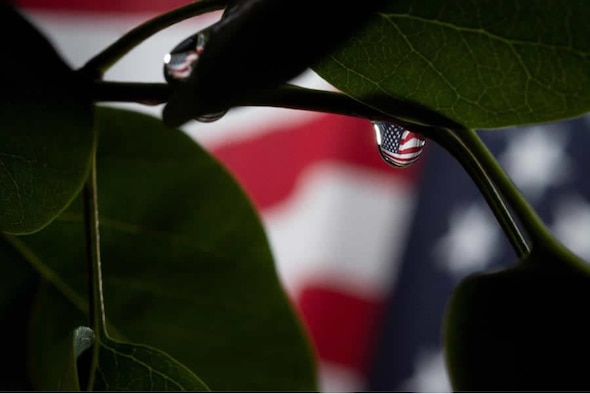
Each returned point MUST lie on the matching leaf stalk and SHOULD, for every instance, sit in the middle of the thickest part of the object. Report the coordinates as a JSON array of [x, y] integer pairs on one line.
[[99, 64], [96, 298], [463, 144]]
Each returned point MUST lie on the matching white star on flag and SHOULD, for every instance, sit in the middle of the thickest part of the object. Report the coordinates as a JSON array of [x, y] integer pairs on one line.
[[471, 241], [430, 374], [536, 160], [572, 224]]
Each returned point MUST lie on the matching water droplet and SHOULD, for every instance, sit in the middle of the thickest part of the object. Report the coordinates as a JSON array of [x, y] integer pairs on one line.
[[211, 117], [398, 146], [179, 63]]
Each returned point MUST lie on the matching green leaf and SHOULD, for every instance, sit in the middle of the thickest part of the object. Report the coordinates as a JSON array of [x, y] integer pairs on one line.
[[132, 367], [484, 64], [46, 137], [122, 366], [186, 265], [50, 350]]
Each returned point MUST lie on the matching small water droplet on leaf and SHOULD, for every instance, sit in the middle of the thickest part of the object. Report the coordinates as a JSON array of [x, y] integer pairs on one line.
[[398, 146], [179, 63]]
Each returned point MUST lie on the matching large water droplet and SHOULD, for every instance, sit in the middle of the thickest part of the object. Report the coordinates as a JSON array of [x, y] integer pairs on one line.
[[398, 146], [179, 63]]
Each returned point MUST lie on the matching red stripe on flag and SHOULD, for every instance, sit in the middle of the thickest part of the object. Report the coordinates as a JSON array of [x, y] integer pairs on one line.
[[342, 327], [269, 165]]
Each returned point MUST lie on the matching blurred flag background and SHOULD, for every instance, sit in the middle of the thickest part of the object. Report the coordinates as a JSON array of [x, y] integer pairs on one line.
[[369, 254]]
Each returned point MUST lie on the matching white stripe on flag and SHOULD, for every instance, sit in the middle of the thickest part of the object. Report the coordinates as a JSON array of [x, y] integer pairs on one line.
[[344, 224]]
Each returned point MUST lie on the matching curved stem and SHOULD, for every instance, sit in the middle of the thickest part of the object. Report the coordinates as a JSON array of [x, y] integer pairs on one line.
[[471, 163], [466, 155], [531, 222], [100, 63], [296, 97], [464, 145], [283, 96], [97, 314]]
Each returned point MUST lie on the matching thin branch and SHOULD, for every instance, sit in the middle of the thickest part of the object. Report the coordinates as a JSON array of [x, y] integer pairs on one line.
[[100, 63], [532, 223], [295, 97], [96, 298], [470, 160]]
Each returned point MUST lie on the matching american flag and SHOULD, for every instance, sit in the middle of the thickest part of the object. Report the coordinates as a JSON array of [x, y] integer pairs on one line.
[[398, 146], [369, 254], [180, 65], [453, 234]]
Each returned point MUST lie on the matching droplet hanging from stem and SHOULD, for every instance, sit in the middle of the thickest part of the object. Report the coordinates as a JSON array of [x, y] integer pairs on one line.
[[398, 146]]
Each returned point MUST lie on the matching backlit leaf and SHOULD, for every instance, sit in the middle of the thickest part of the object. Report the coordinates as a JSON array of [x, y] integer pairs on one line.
[[485, 64], [187, 266]]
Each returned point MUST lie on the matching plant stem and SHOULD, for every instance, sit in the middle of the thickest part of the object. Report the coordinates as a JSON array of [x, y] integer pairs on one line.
[[100, 63], [470, 160], [138, 92], [297, 97], [300, 98], [464, 145], [532, 223], [96, 299]]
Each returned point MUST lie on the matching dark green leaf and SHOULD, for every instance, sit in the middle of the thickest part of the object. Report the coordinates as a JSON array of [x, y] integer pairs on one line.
[[522, 329], [122, 366], [132, 367], [46, 138], [187, 267], [50, 350], [484, 64]]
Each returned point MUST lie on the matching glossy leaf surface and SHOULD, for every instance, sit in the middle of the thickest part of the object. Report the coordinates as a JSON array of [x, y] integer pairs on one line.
[[187, 267], [484, 64]]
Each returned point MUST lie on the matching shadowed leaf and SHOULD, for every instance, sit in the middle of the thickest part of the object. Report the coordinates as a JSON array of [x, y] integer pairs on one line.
[[485, 64], [46, 134], [132, 367], [187, 267]]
